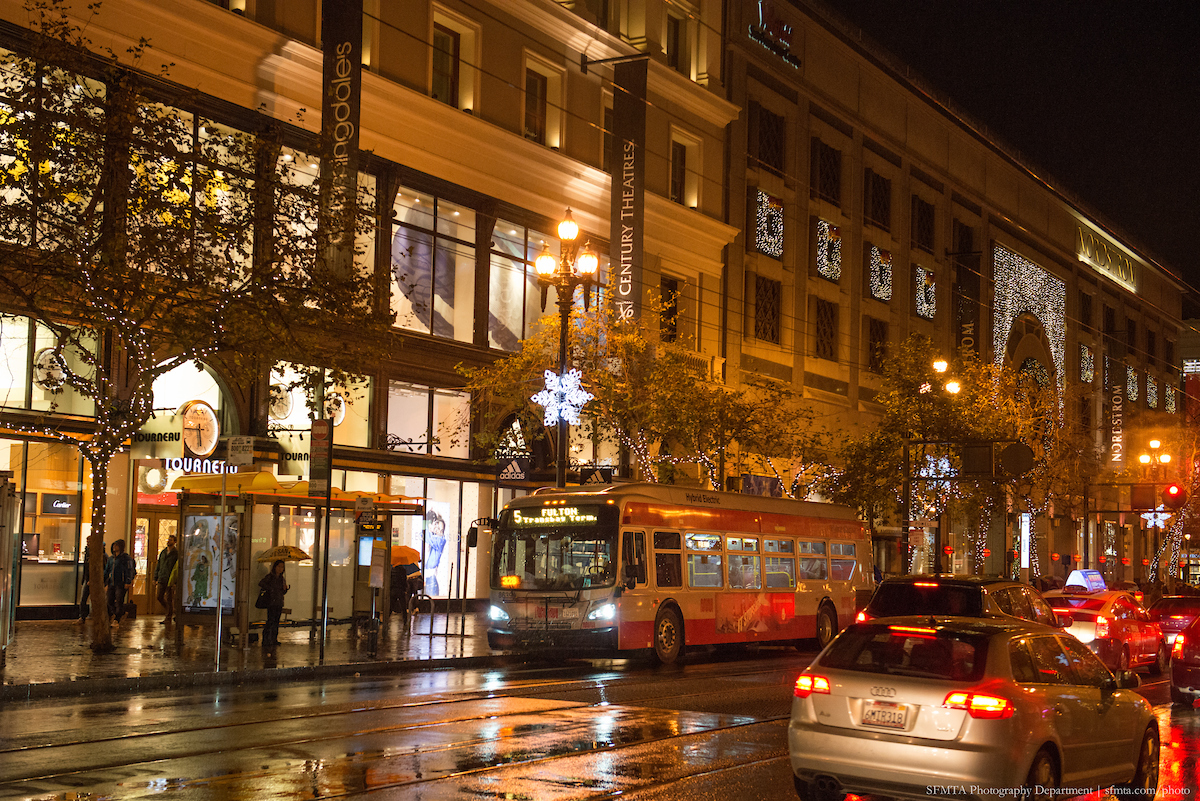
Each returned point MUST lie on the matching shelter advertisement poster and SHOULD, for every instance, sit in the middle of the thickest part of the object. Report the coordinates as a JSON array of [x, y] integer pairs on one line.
[[201, 554]]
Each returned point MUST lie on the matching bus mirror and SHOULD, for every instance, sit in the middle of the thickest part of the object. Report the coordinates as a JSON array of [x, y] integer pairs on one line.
[[629, 576], [472, 537]]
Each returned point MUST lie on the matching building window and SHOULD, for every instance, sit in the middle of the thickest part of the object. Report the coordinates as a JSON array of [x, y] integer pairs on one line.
[[767, 311], [1151, 392], [1169, 352], [1085, 310], [768, 225], [1151, 347], [1110, 321], [1087, 364], [877, 200], [825, 325], [679, 45], [877, 344], [826, 169], [421, 419], [1131, 335], [514, 296], [1169, 399], [829, 251], [1132, 384], [536, 103], [433, 265], [1085, 414], [446, 58], [879, 268], [669, 321], [678, 170], [922, 224], [925, 293], [769, 139]]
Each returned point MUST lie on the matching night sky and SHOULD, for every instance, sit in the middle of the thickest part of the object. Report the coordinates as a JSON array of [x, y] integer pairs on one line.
[[1104, 96]]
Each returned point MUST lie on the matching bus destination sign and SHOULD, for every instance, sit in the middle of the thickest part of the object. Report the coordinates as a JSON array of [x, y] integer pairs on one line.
[[555, 516]]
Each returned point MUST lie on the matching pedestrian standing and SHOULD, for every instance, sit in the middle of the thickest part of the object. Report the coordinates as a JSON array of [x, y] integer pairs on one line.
[[119, 573], [275, 587], [85, 594], [162, 576]]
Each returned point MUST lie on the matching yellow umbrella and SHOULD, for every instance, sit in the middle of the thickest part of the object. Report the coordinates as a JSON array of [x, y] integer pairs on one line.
[[288, 553], [403, 555]]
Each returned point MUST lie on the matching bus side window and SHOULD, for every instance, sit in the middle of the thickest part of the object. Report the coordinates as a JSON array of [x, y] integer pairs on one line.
[[668, 561], [842, 569], [633, 554]]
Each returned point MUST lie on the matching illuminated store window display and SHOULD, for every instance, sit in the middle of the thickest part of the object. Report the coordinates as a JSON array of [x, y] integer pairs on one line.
[[433, 265], [422, 419], [348, 406], [31, 377], [441, 537]]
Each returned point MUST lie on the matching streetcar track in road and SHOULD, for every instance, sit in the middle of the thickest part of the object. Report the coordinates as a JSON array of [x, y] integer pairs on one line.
[[517, 689]]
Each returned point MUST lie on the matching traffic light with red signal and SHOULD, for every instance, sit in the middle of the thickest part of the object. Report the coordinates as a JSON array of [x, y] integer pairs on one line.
[[1174, 497]]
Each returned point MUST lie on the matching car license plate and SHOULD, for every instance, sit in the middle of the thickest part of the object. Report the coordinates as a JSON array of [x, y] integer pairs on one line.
[[887, 715]]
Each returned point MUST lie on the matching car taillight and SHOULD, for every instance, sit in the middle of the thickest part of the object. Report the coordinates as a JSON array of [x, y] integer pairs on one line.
[[806, 685], [1102, 626], [1178, 647], [862, 617], [979, 705]]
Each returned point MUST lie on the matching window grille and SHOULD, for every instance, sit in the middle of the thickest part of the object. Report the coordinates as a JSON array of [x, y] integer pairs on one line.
[[877, 200], [827, 172], [825, 329], [767, 296], [877, 344], [772, 140]]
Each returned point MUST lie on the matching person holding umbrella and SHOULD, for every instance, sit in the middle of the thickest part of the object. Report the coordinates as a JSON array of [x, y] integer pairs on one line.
[[406, 576], [275, 587]]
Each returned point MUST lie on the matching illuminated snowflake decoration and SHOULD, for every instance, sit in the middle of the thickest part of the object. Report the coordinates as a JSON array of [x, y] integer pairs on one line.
[[563, 397], [829, 251], [1023, 287], [768, 225], [1157, 518], [1087, 364], [1131, 383], [881, 274], [925, 292], [1151, 393], [1169, 399]]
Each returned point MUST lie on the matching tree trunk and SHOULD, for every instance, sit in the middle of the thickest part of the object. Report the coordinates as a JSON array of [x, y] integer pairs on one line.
[[98, 595]]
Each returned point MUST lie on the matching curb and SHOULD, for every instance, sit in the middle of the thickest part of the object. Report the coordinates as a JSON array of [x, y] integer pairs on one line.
[[170, 681]]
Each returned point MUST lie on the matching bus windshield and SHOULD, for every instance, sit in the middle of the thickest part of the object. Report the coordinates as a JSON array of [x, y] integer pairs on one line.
[[555, 548]]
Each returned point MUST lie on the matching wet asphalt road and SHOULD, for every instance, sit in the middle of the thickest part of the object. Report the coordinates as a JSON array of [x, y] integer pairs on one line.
[[712, 728]]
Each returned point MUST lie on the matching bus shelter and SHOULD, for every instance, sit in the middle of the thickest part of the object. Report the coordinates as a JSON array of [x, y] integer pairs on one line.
[[223, 536]]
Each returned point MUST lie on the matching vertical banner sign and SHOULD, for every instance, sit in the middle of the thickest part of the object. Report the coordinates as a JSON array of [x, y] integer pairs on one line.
[[966, 306], [320, 455], [628, 161], [1116, 414], [341, 41]]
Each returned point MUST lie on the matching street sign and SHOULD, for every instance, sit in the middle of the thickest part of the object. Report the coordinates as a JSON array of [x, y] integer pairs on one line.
[[516, 469], [239, 450], [595, 475], [319, 459]]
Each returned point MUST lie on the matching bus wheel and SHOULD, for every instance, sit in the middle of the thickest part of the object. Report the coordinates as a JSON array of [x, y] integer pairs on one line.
[[826, 625], [668, 636]]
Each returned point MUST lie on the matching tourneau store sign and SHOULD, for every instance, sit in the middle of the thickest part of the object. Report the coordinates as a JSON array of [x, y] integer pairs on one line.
[[556, 516]]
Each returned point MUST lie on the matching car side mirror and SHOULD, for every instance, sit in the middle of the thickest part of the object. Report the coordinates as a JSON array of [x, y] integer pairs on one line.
[[1123, 680], [1063, 621]]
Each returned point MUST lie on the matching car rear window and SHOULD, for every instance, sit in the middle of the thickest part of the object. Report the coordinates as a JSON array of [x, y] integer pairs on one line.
[[1072, 604], [925, 598], [909, 651], [1176, 606]]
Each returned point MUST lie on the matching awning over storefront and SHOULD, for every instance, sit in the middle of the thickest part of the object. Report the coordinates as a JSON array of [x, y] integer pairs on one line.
[[262, 483]]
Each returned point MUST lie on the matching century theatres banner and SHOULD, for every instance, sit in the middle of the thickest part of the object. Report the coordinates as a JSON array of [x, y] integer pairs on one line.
[[341, 40], [628, 160]]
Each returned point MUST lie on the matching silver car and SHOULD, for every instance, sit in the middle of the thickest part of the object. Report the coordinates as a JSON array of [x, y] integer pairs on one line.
[[921, 706]]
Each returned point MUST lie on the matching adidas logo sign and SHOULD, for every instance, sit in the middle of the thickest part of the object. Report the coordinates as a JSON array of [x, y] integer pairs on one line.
[[512, 472]]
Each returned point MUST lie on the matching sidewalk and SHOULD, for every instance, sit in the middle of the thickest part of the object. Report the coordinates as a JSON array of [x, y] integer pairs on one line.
[[52, 658]]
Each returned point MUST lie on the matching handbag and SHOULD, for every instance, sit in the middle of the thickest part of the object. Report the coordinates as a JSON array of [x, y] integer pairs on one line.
[[261, 603]]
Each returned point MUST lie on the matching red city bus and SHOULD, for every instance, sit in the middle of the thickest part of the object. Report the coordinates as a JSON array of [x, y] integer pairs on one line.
[[638, 566]]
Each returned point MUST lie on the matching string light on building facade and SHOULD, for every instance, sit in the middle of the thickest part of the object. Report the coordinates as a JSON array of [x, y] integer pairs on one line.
[[829, 251], [1023, 287], [1087, 364], [1169, 399], [1151, 393], [925, 292], [881, 274], [563, 397], [768, 226], [1131, 383]]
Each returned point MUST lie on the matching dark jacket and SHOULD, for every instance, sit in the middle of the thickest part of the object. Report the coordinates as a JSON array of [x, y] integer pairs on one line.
[[166, 560], [120, 570], [276, 587]]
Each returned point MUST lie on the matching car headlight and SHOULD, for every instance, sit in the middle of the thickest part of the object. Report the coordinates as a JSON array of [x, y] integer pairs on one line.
[[603, 612], [497, 614]]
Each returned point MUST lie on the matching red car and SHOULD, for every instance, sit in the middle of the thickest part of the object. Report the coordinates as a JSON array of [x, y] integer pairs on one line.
[[1185, 665], [1175, 613]]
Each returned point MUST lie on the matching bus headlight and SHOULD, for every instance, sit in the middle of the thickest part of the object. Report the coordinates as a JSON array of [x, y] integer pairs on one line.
[[497, 614], [603, 612]]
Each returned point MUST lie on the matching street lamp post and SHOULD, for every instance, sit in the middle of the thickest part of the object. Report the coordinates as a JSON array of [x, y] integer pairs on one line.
[[1152, 464], [574, 267]]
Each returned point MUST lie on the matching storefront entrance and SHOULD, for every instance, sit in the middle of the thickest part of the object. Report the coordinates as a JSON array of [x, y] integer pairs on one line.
[[151, 527]]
